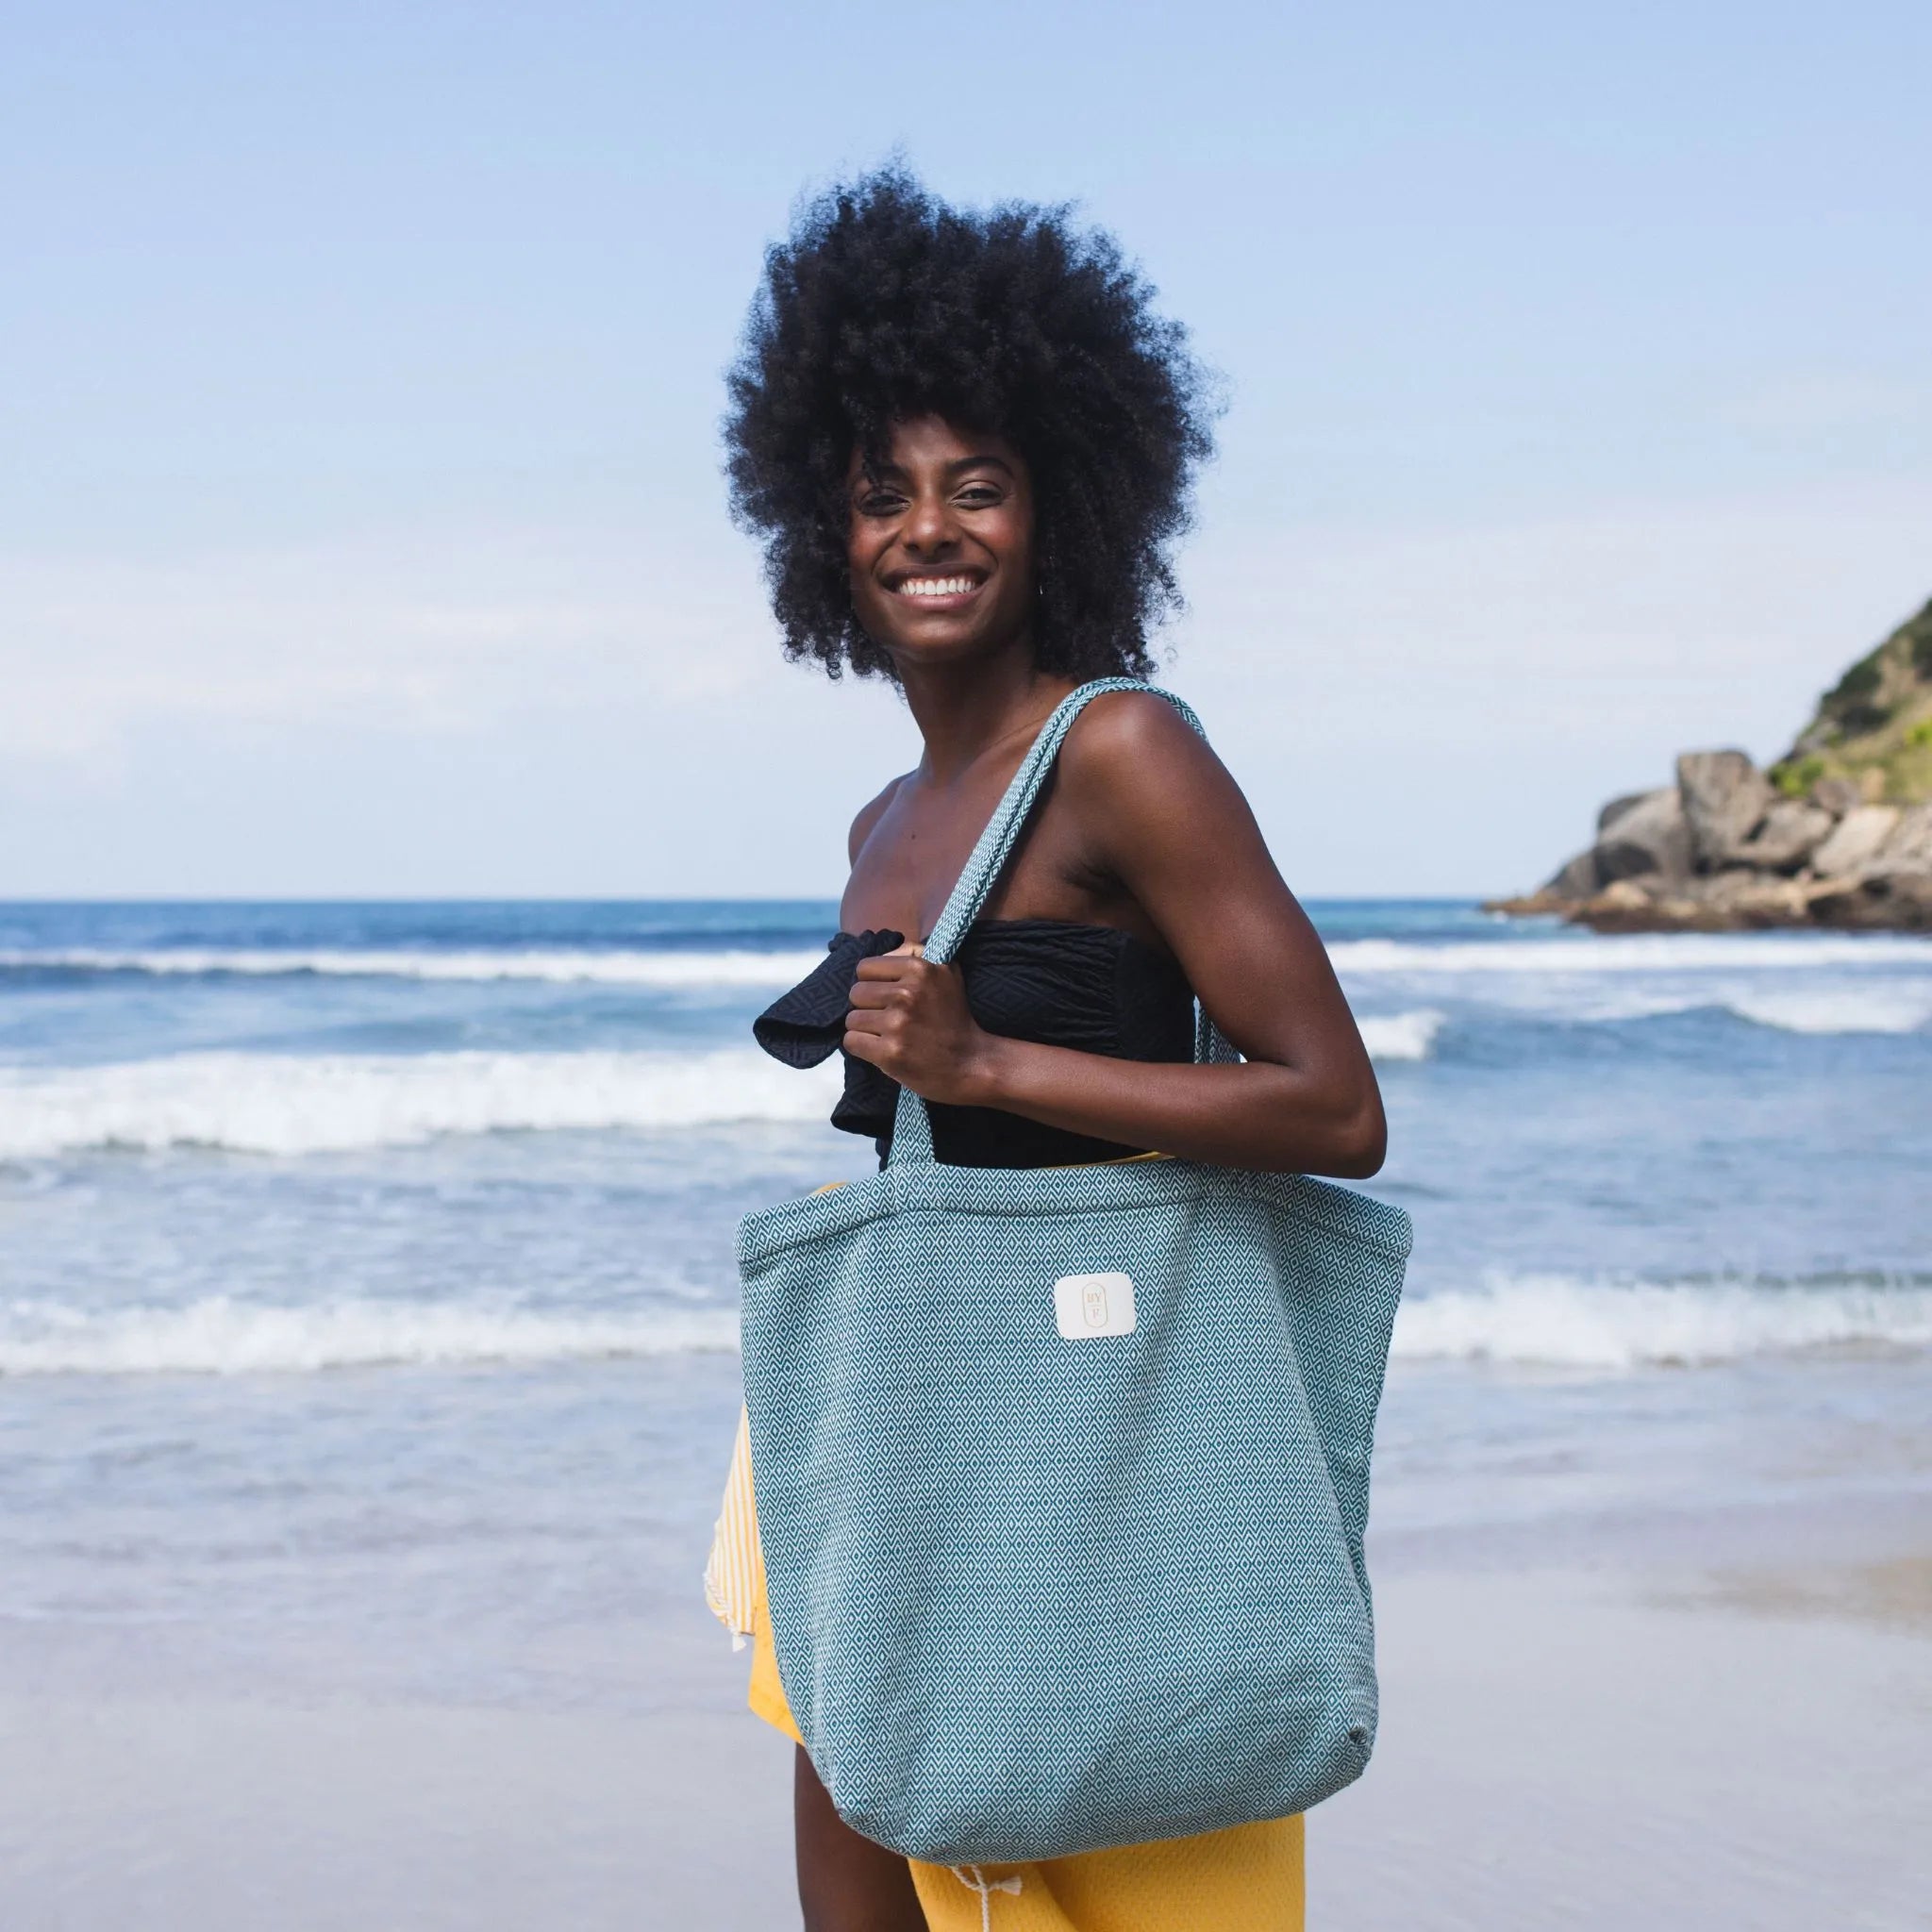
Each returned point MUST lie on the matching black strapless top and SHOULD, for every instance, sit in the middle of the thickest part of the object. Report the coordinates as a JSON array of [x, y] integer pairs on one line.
[[1093, 987]]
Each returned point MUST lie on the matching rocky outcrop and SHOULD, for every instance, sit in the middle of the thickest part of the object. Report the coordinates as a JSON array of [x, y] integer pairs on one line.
[[1725, 799], [1893, 889], [1858, 836], [1650, 836], [1838, 833]]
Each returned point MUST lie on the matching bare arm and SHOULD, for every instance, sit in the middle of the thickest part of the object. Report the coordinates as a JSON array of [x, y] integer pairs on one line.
[[1159, 812]]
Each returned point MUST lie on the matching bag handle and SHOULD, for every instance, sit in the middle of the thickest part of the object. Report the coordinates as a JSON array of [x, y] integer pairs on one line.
[[911, 1122]]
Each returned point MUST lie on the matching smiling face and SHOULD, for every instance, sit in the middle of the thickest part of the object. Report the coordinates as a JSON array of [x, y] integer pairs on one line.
[[939, 544]]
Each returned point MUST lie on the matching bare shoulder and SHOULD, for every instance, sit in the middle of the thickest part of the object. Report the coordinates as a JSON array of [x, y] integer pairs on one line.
[[869, 816], [1127, 741], [1157, 810]]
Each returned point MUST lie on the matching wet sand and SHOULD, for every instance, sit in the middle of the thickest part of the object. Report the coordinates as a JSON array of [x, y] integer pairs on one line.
[[1684, 1724]]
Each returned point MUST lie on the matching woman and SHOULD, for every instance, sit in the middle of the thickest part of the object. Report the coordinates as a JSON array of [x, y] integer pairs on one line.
[[967, 443]]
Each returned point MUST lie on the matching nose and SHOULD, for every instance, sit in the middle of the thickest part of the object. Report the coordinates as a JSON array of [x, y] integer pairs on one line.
[[929, 529]]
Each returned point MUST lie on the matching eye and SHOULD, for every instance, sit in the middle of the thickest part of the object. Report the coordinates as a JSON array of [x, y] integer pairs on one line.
[[879, 503], [980, 496]]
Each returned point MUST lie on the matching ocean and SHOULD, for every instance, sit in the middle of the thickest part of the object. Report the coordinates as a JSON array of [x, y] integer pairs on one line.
[[367, 1308]]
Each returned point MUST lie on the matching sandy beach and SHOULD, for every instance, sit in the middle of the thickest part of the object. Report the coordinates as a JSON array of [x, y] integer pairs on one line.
[[1681, 1720]]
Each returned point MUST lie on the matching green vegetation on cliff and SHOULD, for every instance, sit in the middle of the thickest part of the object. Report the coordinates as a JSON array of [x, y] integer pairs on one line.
[[1874, 726]]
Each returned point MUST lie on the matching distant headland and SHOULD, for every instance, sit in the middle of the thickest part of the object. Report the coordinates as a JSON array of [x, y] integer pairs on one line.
[[1836, 833]]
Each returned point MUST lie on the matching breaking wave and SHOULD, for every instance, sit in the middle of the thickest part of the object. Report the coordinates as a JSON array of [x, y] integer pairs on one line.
[[1400, 1036], [1874, 1008], [268, 1104], [1561, 1322], [335, 1103], [222, 1337], [1634, 953], [561, 965], [1547, 1321]]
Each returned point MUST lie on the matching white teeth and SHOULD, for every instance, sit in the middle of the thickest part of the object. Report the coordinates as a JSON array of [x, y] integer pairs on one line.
[[934, 587]]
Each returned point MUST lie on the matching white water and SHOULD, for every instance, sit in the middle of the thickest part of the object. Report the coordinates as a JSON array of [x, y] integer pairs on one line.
[[1867, 1008], [1635, 953], [1564, 1323], [270, 1104], [1549, 1321], [1400, 1036], [218, 1336], [563, 965], [332, 1103]]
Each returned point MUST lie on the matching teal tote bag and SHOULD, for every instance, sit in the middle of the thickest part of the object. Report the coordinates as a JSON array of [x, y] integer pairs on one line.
[[1061, 1476]]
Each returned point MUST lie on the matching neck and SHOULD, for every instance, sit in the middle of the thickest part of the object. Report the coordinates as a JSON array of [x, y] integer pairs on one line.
[[963, 711]]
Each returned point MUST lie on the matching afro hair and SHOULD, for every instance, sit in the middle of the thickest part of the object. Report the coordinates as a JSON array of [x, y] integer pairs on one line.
[[885, 304]]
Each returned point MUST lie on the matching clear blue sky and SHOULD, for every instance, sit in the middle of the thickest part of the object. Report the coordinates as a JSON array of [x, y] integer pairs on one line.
[[361, 522]]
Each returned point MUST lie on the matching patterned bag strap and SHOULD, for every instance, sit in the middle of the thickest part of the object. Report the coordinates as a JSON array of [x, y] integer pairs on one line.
[[911, 1123]]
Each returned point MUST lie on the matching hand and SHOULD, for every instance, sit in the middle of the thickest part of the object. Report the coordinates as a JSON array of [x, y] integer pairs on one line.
[[910, 1020]]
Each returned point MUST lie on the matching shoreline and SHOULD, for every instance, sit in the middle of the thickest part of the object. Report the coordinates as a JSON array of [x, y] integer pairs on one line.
[[1717, 1716]]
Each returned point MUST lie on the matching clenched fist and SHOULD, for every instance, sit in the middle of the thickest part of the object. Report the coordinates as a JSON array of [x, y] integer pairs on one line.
[[910, 1020]]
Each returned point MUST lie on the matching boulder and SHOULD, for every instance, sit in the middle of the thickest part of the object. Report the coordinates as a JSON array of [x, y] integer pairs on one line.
[[1891, 889], [1857, 839], [1649, 840], [1909, 847], [1837, 795], [1725, 799], [1790, 831], [1579, 879], [1616, 809]]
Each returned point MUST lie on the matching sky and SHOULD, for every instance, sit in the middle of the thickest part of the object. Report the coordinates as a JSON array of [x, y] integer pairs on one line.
[[361, 524]]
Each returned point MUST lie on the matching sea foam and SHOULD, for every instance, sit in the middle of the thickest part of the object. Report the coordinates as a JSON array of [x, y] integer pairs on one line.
[[1562, 1322], [561, 965], [284, 1105], [1634, 953], [219, 1336], [1400, 1036], [1871, 1007], [1548, 1321]]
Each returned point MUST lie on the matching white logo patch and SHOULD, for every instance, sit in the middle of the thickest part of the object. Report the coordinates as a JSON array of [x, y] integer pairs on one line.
[[1085, 1305]]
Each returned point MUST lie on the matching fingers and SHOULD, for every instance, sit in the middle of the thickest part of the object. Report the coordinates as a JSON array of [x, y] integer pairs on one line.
[[907, 964], [893, 997], [866, 1046], [875, 1025], [872, 994], [879, 1038], [890, 979]]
